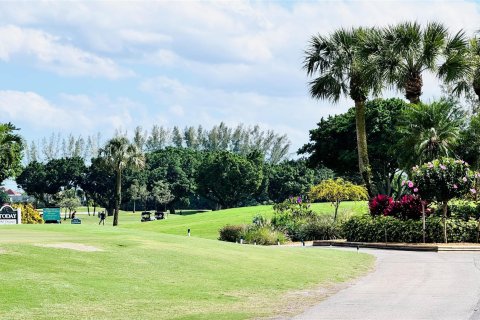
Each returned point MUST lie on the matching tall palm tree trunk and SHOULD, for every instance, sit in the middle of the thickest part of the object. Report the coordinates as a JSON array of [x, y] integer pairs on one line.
[[413, 88], [363, 163], [118, 193]]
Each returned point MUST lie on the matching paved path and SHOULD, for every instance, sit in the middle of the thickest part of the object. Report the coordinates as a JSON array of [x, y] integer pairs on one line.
[[409, 285]]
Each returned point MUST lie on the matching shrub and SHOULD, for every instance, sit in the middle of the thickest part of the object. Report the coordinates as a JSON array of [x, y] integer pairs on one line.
[[379, 204], [322, 228], [381, 229], [29, 214], [336, 191], [264, 236], [465, 210], [232, 233], [408, 207], [442, 180]]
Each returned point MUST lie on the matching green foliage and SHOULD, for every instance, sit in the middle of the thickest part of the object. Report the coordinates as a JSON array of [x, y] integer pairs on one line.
[[99, 184], [429, 131], [468, 146], [382, 229], [177, 167], [442, 180], [11, 147], [295, 218], [45, 180], [465, 210], [232, 233], [402, 52], [120, 154], [293, 177], [68, 199], [320, 228], [161, 192], [227, 178], [4, 198], [29, 214], [264, 236], [336, 191], [331, 143]]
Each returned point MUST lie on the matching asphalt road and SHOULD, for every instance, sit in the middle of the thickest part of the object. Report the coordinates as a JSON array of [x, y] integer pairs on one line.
[[409, 285]]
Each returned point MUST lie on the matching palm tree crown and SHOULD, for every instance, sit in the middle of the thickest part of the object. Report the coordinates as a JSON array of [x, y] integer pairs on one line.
[[408, 50], [430, 131]]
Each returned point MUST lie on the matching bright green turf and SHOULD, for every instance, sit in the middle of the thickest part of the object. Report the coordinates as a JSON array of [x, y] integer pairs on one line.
[[207, 224], [150, 275]]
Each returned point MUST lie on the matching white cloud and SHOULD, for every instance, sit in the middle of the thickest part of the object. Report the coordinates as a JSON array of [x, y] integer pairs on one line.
[[50, 53], [78, 114], [200, 62]]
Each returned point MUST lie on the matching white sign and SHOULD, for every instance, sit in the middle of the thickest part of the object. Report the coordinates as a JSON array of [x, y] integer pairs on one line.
[[8, 215]]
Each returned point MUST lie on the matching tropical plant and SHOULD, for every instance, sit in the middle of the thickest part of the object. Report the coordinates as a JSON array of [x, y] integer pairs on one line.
[[336, 191], [471, 78], [331, 144], [119, 153], [336, 63], [11, 146], [429, 131], [407, 50], [442, 180]]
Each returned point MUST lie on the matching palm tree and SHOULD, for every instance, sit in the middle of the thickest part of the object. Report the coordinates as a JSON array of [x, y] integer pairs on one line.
[[408, 50], [471, 78], [11, 145], [119, 154], [430, 131], [338, 67]]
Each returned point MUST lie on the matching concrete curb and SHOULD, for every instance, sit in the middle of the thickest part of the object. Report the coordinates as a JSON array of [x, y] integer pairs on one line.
[[394, 246]]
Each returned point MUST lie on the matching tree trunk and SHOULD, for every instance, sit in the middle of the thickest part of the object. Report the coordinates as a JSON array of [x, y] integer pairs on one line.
[[337, 204], [413, 88], [133, 205], [171, 208], [445, 208], [363, 164], [88, 205], [94, 208], [118, 193]]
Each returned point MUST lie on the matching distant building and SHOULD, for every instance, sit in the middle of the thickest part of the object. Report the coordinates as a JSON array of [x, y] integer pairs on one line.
[[16, 196]]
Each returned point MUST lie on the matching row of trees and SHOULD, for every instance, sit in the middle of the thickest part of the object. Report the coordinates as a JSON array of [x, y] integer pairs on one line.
[[360, 62], [240, 140], [175, 177]]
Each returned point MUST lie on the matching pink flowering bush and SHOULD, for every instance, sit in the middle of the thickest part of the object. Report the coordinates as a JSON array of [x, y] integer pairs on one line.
[[408, 207], [442, 179], [379, 204]]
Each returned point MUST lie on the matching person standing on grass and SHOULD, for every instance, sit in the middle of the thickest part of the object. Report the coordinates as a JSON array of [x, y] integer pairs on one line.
[[102, 217]]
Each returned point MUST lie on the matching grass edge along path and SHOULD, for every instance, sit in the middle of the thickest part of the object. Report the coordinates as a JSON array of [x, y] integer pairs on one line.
[[149, 275]]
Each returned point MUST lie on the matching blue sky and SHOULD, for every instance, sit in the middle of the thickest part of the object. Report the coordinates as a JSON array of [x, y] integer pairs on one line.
[[88, 67]]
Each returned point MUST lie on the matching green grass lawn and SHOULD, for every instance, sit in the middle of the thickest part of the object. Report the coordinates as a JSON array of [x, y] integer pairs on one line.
[[144, 273], [207, 224]]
